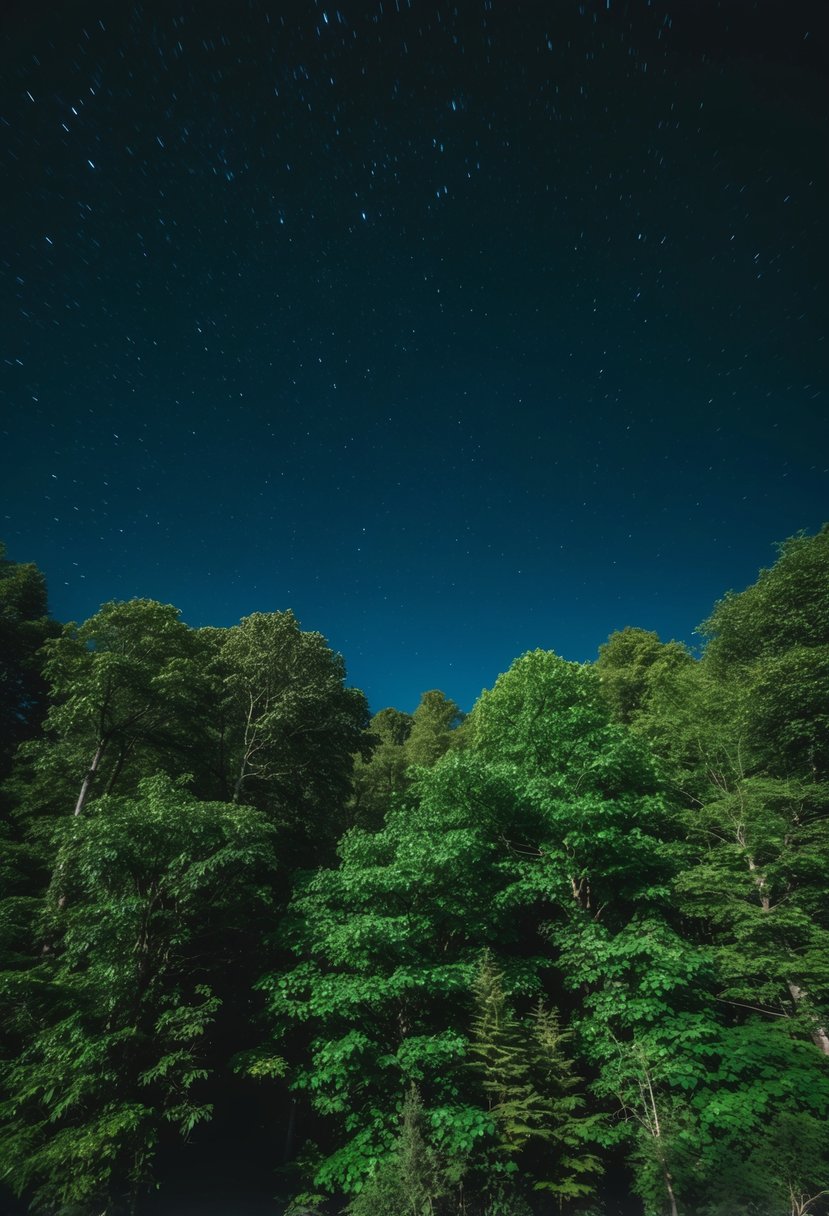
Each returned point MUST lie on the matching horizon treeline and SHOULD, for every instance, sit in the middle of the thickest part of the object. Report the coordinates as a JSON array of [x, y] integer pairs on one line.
[[566, 953]]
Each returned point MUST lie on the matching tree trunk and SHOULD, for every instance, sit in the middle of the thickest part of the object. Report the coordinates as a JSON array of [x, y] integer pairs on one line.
[[91, 773], [670, 1189], [123, 756], [820, 1038], [760, 883], [86, 786], [240, 781]]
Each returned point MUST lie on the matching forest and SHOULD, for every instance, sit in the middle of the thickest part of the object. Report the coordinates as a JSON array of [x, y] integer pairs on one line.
[[567, 953]]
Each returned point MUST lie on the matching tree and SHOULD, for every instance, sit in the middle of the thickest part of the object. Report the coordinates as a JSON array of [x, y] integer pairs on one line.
[[774, 638], [401, 740], [739, 736], [499, 1055], [787, 1171], [630, 662], [287, 727], [24, 627], [433, 724], [382, 776], [761, 848], [602, 820], [529, 1084], [162, 889], [386, 945], [604, 854], [411, 1179], [122, 690]]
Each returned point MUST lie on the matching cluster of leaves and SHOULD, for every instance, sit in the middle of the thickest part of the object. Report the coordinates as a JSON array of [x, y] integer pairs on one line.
[[162, 794], [574, 943]]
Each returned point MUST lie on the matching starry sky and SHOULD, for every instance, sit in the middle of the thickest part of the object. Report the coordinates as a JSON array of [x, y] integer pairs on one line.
[[459, 327]]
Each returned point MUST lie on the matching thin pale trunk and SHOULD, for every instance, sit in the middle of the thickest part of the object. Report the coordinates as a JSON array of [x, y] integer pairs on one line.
[[249, 747], [240, 781], [669, 1188], [760, 883], [86, 786], [820, 1038], [89, 777], [666, 1173]]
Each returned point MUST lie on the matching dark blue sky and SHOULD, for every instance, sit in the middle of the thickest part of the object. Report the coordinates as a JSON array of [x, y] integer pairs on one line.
[[459, 328]]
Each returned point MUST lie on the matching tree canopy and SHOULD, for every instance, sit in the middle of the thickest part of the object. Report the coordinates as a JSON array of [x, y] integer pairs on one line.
[[568, 952]]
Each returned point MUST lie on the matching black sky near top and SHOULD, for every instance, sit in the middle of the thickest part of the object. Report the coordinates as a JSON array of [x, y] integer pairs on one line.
[[458, 328]]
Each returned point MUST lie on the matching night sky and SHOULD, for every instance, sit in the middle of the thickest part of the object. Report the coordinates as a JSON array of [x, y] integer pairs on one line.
[[458, 328]]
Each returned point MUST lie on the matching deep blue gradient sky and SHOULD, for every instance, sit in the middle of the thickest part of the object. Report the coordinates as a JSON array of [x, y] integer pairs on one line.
[[459, 328]]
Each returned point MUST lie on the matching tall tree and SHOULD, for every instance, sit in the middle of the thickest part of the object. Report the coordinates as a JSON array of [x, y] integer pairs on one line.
[[603, 853], [433, 725], [630, 663], [162, 889], [288, 727], [740, 736], [602, 818], [381, 778], [774, 638], [386, 945], [122, 688], [24, 627]]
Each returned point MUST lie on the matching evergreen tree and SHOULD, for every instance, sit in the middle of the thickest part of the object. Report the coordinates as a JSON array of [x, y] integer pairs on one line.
[[530, 1087], [498, 1052], [386, 944], [410, 1179]]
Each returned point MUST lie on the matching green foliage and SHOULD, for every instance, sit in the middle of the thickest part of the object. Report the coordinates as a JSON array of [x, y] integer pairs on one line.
[[599, 817], [498, 1051], [410, 1178], [123, 689], [530, 1088], [433, 725], [641, 844], [24, 627], [787, 607], [782, 1171], [400, 741], [751, 799], [630, 663], [387, 945], [774, 638], [285, 726], [380, 778], [152, 892]]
